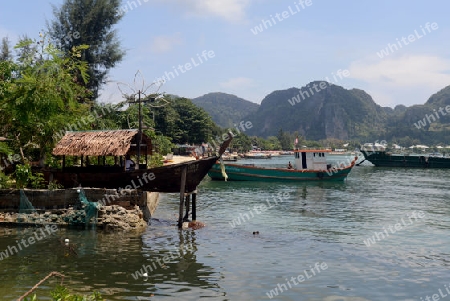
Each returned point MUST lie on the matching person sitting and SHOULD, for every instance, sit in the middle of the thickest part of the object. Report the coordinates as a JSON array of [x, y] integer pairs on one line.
[[129, 164], [290, 165]]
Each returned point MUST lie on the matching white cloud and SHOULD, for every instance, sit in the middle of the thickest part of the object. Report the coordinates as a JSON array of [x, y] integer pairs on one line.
[[402, 80], [229, 10], [404, 71], [161, 44], [237, 83]]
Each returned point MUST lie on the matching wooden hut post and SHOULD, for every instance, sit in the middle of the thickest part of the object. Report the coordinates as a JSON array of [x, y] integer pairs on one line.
[[64, 162], [82, 157], [182, 188], [146, 154], [194, 205]]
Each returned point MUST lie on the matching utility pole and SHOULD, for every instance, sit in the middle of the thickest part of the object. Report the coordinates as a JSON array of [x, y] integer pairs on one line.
[[139, 137]]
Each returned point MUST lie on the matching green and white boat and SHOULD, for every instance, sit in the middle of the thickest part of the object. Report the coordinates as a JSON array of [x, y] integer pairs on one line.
[[309, 165]]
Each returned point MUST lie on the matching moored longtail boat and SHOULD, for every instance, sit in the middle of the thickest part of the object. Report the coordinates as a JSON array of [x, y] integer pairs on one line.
[[118, 144]]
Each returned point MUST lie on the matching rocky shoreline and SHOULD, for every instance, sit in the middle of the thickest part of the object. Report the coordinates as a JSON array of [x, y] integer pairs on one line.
[[108, 218], [128, 212]]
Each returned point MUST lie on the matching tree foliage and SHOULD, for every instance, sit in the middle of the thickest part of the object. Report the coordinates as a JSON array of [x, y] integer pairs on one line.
[[41, 93], [241, 143], [5, 50], [61, 293], [184, 122], [285, 139], [89, 22]]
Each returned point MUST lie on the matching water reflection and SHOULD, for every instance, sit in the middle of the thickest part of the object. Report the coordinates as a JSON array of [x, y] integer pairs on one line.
[[318, 222], [178, 267]]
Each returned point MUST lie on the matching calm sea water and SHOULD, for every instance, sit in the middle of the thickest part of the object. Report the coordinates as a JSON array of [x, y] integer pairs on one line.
[[325, 223]]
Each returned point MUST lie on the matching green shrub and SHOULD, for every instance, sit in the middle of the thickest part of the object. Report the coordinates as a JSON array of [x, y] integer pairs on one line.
[[61, 293], [4, 181], [25, 177], [156, 160], [23, 174], [53, 185]]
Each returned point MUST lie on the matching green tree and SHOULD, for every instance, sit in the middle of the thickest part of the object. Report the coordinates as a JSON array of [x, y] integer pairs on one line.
[[5, 50], [184, 122], [89, 22], [273, 143], [285, 140], [42, 96], [194, 122], [7, 70], [241, 143]]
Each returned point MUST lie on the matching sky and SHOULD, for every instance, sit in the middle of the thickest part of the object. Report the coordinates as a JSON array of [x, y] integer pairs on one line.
[[397, 51]]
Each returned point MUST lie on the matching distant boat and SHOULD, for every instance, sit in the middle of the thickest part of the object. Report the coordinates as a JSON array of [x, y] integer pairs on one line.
[[286, 153], [386, 159], [230, 157], [257, 156], [309, 165]]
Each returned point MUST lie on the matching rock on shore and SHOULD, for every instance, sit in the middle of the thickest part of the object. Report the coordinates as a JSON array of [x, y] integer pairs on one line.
[[112, 217]]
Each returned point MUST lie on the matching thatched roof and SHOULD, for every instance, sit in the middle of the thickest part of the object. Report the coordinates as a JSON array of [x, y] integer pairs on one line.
[[100, 143]]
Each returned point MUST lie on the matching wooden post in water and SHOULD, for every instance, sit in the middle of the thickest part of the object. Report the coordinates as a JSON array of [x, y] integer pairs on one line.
[[194, 205], [188, 201], [182, 188]]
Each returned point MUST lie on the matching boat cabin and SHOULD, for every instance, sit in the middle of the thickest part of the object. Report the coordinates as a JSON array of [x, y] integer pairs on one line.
[[105, 150], [311, 159]]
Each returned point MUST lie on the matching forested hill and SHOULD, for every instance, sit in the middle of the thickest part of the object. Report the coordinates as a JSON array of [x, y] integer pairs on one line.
[[225, 109], [428, 123], [319, 110]]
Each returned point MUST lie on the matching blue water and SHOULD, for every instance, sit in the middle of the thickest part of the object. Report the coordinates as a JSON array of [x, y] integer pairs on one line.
[[323, 223]]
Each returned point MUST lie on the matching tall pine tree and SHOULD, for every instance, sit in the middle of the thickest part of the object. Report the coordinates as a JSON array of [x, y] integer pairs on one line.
[[89, 22], [5, 50]]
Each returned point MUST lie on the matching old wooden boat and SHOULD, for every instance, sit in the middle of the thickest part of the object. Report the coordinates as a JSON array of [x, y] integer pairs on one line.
[[309, 165], [85, 146]]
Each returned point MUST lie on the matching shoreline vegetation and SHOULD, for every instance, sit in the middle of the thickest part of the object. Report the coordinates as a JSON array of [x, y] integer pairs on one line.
[[60, 292]]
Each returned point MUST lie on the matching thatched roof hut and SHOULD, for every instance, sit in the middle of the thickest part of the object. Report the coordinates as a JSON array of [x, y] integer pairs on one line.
[[102, 143]]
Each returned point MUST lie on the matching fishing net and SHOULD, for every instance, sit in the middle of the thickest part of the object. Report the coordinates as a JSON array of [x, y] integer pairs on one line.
[[90, 208], [25, 205]]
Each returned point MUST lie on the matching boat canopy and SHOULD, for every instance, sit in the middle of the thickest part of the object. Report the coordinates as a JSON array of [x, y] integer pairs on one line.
[[311, 159], [102, 143]]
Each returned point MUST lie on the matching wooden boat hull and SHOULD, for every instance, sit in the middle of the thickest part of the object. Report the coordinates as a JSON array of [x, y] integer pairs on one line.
[[160, 179], [236, 172], [383, 159]]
